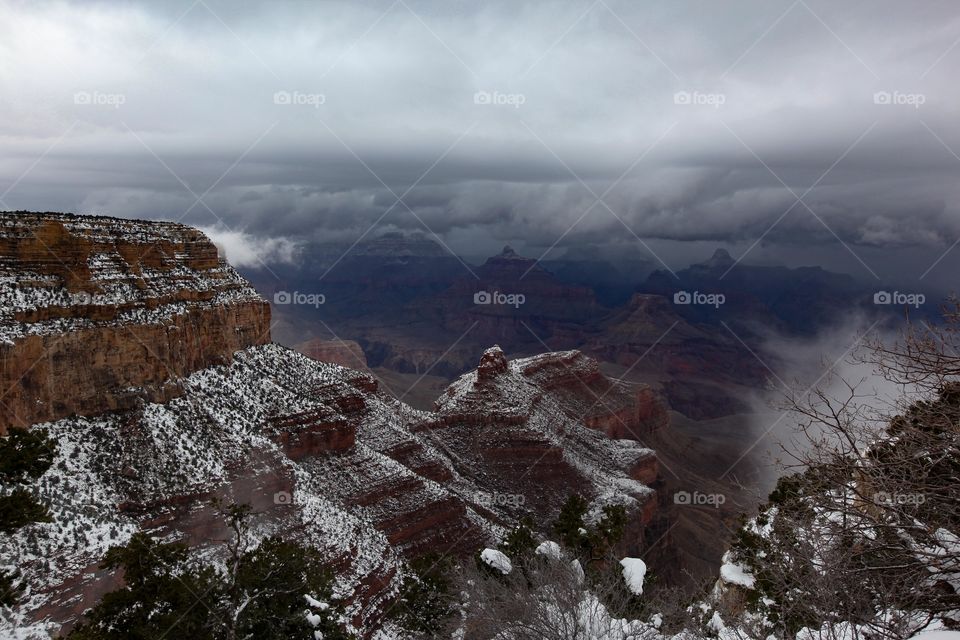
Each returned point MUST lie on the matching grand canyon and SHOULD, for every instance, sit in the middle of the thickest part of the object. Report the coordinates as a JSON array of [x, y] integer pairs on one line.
[[413, 320]]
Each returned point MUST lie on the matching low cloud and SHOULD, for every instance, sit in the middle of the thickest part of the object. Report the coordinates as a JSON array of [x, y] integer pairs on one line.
[[243, 250], [694, 123]]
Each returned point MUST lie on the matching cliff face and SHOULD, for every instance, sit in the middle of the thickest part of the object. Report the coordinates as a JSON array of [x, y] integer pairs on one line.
[[522, 430], [99, 314], [149, 362]]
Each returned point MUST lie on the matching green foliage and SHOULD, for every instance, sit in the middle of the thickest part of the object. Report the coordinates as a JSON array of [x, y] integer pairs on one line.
[[20, 508], [788, 489], [569, 524], [168, 593], [609, 530], [25, 455], [10, 589], [272, 581], [592, 541], [426, 600], [520, 543], [162, 593]]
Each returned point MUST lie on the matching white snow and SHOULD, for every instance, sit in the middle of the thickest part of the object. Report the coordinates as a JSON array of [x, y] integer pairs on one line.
[[497, 560], [578, 570], [549, 549], [316, 604], [937, 635], [735, 573], [634, 571]]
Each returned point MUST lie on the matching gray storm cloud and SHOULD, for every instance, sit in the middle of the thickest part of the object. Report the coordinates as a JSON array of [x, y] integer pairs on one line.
[[693, 122]]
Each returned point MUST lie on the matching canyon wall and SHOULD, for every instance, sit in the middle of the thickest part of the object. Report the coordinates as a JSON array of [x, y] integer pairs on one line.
[[102, 313]]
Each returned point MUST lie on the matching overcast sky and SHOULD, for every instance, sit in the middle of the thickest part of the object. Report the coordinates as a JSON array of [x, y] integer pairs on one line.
[[671, 126]]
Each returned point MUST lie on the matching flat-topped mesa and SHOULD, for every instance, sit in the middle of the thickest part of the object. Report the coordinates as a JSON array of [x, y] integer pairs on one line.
[[99, 313]]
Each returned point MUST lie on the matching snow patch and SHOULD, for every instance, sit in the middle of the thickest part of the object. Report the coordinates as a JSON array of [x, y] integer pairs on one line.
[[634, 571], [497, 560]]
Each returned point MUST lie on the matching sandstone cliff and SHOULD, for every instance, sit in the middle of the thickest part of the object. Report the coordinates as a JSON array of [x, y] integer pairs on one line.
[[100, 313]]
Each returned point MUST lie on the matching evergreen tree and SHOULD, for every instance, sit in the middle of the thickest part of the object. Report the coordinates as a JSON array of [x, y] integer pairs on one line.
[[19, 508], [426, 599], [24, 457], [162, 592], [608, 530], [266, 591], [569, 525], [520, 543]]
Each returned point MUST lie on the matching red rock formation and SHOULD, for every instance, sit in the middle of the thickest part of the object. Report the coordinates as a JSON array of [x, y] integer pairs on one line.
[[540, 445], [492, 363], [312, 433], [100, 314]]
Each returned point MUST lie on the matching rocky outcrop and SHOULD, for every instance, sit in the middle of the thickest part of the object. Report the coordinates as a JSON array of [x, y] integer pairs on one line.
[[622, 411], [102, 314], [492, 364], [537, 448]]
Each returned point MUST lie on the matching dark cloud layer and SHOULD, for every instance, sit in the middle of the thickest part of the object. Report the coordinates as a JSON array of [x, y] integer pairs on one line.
[[697, 123]]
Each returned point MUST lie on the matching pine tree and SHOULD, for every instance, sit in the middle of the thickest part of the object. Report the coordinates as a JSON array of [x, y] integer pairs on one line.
[[569, 525], [24, 457]]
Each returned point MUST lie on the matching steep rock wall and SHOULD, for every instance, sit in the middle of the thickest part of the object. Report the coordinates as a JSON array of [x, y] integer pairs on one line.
[[100, 314]]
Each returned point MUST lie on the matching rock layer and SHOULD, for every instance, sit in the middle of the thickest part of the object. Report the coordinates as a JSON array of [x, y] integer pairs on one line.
[[101, 313]]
